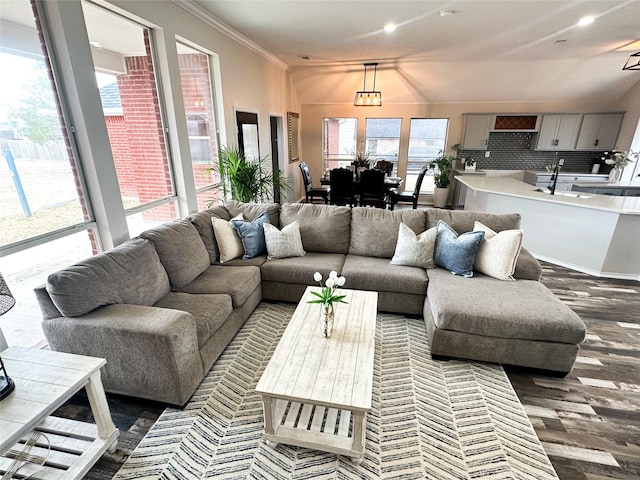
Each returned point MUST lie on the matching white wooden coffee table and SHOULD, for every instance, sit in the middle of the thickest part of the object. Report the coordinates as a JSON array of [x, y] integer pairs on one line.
[[316, 391], [44, 381]]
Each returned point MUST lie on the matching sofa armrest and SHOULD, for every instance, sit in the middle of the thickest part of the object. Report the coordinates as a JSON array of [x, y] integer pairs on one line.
[[151, 352], [527, 267]]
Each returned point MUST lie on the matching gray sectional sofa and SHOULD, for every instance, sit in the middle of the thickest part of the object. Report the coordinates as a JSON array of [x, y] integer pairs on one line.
[[161, 308]]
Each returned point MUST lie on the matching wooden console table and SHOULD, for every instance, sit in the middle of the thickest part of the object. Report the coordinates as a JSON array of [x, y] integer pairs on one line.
[[44, 381]]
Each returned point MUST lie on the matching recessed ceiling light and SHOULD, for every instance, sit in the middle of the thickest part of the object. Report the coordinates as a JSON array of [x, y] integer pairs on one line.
[[446, 13], [584, 21], [389, 27], [95, 44]]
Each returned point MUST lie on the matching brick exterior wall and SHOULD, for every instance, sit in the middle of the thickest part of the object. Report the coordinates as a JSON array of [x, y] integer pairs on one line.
[[511, 151], [136, 136]]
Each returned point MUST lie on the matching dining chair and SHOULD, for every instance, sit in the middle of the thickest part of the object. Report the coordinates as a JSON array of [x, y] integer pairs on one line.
[[372, 189], [385, 166], [341, 184], [309, 190], [408, 196]]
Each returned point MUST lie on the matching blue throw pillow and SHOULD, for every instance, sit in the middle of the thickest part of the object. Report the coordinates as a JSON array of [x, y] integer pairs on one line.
[[252, 235], [456, 252]]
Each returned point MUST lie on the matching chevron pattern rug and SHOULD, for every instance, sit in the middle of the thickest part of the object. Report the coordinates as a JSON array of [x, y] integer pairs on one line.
[[431, 419]]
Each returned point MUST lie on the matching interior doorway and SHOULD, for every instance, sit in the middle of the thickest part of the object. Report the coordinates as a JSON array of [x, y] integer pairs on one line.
[[277, 153], [248, 138]]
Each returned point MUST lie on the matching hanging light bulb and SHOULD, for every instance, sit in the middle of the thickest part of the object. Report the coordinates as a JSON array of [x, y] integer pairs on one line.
[[368, 98]]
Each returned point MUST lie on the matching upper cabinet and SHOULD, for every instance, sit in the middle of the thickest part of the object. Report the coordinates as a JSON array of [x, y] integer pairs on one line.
[[478, 127], [476, 132], [558, 132], [599, 131]]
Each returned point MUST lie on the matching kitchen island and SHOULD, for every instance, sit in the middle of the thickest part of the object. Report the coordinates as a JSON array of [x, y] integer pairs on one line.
[[594, 234]]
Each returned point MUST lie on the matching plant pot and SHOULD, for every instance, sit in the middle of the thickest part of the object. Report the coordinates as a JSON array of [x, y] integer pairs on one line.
[[470, 167], [440, 197]]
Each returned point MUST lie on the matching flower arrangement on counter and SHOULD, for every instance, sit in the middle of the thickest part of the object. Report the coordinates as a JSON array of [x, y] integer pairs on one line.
[[618, 158], [328, 293]]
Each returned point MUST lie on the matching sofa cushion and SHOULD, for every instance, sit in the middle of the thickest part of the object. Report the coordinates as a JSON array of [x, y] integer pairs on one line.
[[323, 228], [462, 221], [252, 235], [498, 252], [374, 231], [180, 249], [237, 282], [454, 252], [414, 250], [283, 243], [527, 267], [301, 269], [130, 273], [202, 222], [254, 210], [486, 306], [227, 238], [371, 273], [209, 311]]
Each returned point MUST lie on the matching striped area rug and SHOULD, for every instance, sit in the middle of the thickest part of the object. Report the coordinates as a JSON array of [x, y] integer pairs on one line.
[[431, 419]]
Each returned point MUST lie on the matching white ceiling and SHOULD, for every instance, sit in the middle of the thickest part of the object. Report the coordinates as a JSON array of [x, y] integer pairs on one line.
[[486, 51]]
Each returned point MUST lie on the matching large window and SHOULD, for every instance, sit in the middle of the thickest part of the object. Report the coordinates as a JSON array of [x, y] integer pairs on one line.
[[195, 78], [338, 141], [427, 137], [46, 219], [132, 110], [382, 141], [41, 191]]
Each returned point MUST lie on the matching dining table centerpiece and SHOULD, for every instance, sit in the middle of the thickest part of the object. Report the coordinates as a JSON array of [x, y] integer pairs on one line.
[[326, 298]]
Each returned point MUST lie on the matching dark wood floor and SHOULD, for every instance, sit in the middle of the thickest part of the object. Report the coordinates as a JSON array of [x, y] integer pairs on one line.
[[588, 422]]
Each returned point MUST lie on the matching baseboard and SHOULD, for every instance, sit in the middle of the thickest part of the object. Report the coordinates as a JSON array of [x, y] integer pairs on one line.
[[588, 271]]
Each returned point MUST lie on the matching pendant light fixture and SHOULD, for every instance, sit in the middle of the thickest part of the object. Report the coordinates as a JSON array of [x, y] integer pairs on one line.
[[633, 63], [368, 98]]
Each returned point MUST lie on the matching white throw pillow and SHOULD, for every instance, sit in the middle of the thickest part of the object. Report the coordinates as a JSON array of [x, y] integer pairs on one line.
[[498, 252], [414, 250], [228, 240], [283, 243]]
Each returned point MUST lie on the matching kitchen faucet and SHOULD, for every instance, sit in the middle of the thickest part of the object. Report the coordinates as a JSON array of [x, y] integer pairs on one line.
[[554, 176]]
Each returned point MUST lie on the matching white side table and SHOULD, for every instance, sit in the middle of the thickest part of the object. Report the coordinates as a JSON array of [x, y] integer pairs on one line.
[[44, 381]]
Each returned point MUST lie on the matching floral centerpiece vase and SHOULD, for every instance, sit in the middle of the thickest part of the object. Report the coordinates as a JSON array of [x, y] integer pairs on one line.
[[618, 160], [326, 298]]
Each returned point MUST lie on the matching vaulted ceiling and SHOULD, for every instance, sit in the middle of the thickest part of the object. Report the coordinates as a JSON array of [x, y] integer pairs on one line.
[[444, 51]]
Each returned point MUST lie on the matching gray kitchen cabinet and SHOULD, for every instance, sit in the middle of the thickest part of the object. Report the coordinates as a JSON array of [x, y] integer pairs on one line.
[[476, 132], [558, 132], [599, 131]]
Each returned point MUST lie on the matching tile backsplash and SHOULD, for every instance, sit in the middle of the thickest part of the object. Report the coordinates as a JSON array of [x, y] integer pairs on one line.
[[511, 151]]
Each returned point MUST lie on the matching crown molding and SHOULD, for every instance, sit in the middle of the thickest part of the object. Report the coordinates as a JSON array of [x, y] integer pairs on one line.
[[219, 25]]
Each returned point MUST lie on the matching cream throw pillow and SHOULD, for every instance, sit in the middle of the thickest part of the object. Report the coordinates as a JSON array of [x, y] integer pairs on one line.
[[228, 240], [283, 243], [498, 252], [414, 250]]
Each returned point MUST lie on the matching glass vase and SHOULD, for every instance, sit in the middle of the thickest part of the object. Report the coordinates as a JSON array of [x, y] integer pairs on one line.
[[614, 175], [326, 319]]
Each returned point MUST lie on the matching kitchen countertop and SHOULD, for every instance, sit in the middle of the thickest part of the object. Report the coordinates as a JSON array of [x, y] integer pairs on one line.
[[515, 188]]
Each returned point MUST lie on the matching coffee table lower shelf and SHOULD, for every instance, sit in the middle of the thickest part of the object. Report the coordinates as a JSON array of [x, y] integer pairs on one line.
[[314, 426]]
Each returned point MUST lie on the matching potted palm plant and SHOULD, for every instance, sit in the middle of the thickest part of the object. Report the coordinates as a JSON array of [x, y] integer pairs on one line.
[[245, 180], [442, 168]]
